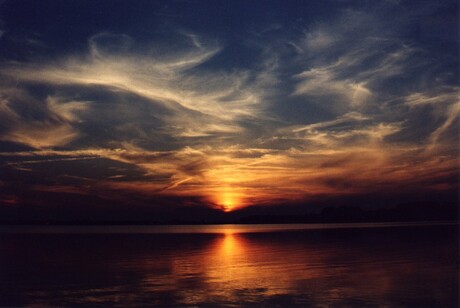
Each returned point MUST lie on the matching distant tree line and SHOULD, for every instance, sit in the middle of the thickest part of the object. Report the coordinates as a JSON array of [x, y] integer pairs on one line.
[[354, 214], [335, 214]]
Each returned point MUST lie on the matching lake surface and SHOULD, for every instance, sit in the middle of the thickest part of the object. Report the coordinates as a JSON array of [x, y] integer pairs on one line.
[[412, 265]]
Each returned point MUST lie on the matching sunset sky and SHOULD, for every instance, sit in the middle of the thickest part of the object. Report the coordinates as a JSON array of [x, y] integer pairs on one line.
[[193, 108]]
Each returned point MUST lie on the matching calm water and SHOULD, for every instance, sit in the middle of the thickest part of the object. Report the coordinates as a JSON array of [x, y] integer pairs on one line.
[[326, 265]]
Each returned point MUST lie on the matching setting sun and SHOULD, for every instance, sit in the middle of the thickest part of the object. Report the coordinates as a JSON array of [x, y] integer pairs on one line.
[[229, 200], [228, 205]]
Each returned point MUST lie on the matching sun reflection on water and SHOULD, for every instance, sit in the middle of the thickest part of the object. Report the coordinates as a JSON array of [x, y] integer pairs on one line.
[[230, 266], [231, 248]]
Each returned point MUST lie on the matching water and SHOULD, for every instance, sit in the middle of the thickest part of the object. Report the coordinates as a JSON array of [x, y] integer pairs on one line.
[[225, 265]]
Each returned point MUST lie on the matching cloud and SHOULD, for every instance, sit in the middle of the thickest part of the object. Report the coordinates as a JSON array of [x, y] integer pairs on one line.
[[329, 111], [318, 40], [448, 96], [353, 80], [451, 120], [42, 135], [258, 176], [321, 82], [444, 106], [199, 103], [66, 111], [46, 125]]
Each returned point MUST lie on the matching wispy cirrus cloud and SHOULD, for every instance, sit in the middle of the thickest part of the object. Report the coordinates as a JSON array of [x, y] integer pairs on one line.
[[333, 110], [160, 78], [50, 126]]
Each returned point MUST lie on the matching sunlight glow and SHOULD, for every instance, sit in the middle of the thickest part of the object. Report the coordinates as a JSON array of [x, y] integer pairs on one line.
[[229, 245], [229, 200]]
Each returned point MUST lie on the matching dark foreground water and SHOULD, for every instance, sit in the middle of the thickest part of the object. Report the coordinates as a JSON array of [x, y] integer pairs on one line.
[[305, 265]]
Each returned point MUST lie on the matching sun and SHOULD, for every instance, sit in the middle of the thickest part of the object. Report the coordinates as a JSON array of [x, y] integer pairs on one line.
[[229, 201], [228, 205]]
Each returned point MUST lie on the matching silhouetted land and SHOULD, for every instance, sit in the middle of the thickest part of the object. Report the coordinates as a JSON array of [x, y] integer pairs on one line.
[[355, 214], [406, 212]]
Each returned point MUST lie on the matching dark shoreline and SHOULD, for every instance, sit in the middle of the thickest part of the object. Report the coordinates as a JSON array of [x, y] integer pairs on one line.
[[345, 214]]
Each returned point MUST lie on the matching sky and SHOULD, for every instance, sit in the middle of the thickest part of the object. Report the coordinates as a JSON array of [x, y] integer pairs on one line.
[[188, 109]]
